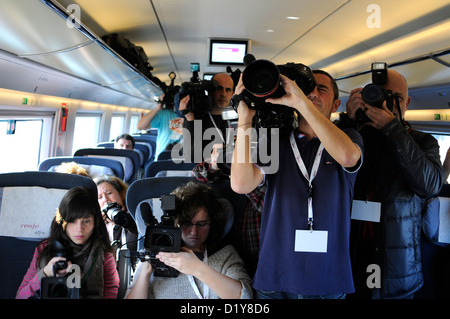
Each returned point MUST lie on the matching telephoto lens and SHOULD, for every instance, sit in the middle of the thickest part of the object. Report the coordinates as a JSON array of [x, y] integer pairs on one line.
[[262, 79]]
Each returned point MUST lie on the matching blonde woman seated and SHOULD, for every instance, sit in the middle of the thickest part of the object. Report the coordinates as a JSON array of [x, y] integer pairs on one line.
[[205, 270], [71, 168]]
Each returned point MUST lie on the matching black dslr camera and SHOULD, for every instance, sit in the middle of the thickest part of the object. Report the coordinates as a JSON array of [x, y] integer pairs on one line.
[[261, 79], [56, 287], [163, 237], [374, 93], [200, 92], [119, 216]]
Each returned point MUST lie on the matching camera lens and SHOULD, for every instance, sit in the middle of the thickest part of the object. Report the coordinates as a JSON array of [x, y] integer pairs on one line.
[[261, 78], [373, 94], [59, 290], [163, 241]]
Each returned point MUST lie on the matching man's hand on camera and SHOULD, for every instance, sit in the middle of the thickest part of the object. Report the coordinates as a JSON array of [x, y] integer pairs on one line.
[[355, 102], [379, 117], [183, 106], [245, 113]]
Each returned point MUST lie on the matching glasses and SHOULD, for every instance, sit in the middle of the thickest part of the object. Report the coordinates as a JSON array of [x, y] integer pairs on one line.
[[201, 224]]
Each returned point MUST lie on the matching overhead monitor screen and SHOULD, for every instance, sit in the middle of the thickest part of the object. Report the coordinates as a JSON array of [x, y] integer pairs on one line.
[[228, 51]]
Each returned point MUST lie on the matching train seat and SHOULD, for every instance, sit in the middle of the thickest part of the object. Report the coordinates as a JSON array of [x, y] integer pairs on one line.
[[129, 159], [94, 166], [142, 149], [168, 168], [28, 203]]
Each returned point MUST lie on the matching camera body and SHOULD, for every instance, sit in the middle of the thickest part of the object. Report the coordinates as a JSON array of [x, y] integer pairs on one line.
[[374, 93], [115, 212], [169, 100], [163, 237], [56, 287], [200, 92], [261, 79]]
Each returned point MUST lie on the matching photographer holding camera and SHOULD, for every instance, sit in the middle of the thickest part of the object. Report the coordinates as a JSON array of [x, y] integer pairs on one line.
[[120, 224], [401, 169], [168, 123], [207, 270], [79, 228], [305, 225], [211, 119]]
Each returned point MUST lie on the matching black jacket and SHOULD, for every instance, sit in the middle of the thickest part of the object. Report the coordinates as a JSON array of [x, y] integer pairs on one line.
[[400, 169], [204, 123]]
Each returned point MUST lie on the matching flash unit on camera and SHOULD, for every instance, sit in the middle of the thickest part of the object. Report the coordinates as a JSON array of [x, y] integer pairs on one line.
[[379, 73]]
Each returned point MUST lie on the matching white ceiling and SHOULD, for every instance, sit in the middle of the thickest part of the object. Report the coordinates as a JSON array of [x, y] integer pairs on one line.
[[175, 32], [330, 34]]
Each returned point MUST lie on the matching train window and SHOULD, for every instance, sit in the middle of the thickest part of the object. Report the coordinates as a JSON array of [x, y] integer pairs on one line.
[[117, 125], [444, 145], [86, 133], [21, 144], [133, 124]]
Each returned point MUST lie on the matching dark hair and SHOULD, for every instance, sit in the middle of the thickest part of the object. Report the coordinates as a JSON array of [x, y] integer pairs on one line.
[[192, 197], [79, 202], [333, 82], [126, 136]]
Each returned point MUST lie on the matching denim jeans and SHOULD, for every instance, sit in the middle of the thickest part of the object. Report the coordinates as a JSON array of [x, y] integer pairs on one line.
[[261, 294]]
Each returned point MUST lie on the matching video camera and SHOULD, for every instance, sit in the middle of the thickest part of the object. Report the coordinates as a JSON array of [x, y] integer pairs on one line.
[[170, 92], [374, 93], [56, 287], [163, 236], [261, 79], [119, 216], [200, 92]]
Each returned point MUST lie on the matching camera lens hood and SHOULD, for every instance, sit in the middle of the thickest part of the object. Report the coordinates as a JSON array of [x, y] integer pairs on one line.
[[261, 78]]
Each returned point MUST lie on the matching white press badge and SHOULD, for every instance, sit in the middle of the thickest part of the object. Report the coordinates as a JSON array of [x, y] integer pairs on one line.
[[366, 211], [310, 240]]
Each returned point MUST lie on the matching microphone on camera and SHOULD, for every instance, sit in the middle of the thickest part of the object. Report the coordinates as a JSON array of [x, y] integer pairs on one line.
[[249, 58], [147, 214]]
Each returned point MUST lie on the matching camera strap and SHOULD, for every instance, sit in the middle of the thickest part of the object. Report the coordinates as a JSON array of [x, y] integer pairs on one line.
[[215, 125], [304, 171], [194, 285]]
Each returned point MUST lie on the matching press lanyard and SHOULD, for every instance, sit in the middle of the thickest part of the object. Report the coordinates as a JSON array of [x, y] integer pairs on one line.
[[214, 123], [314, 170], [194, 285]]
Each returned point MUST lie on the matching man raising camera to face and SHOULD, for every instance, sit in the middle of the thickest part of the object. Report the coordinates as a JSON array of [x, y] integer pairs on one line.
[[401, 169], [206, 120], [305, 222]]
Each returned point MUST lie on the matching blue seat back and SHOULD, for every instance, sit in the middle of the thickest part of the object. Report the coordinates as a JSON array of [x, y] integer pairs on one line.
[[28, 203], [130, 159], [142, 149], [150, 142], [169, 167], [94, 165]]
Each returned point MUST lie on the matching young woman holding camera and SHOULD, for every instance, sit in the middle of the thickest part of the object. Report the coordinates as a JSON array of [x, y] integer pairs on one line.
[[79, 227]]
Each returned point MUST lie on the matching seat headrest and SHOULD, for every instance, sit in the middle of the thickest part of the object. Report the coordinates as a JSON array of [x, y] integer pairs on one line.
[[26, 212]]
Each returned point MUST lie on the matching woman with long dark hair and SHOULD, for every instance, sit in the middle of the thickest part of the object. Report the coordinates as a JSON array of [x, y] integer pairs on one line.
[[78, 226]]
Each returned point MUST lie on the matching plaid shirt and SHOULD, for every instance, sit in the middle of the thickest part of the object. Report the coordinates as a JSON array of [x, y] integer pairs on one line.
[[248, 232]]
